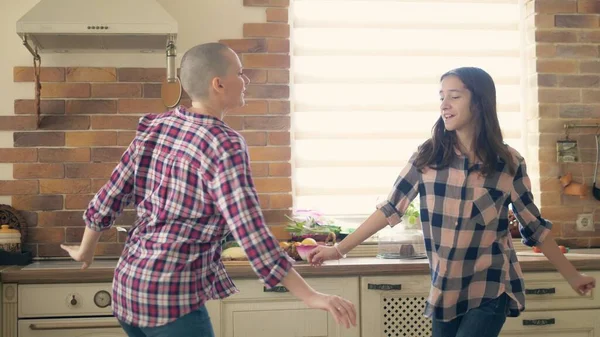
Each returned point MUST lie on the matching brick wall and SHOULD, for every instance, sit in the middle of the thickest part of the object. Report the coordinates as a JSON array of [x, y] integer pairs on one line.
[[89, 116], [563, 39]]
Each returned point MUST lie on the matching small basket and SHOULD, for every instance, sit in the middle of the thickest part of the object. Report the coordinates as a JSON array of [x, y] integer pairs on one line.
[[10, 216]]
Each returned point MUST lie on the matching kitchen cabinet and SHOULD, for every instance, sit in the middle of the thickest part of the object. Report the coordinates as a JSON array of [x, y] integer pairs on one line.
[[557, 323], [256, 311], [393, 306]]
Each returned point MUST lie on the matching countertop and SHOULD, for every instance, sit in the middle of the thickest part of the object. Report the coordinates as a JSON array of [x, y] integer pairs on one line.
[[64, 271]]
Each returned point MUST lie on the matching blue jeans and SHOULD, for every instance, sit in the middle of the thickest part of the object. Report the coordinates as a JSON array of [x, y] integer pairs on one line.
[[195, 324], [484, 321]]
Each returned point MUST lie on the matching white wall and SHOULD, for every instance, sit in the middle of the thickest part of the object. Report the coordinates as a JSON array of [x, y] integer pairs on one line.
[[199, 21]]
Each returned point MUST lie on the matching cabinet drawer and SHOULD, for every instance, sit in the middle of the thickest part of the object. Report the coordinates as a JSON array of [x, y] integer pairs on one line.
[[550, 291], [401, 285], [554, 323], [254, 289]]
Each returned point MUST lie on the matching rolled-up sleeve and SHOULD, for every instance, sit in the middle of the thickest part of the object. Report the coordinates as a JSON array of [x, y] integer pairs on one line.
[[236, 199], [404, 191], [532, 226]]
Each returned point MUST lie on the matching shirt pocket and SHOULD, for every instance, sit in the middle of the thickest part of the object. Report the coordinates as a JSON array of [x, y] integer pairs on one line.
[[487, 205]]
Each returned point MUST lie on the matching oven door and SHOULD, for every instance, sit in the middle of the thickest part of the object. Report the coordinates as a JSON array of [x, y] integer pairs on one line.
[[71, 327]]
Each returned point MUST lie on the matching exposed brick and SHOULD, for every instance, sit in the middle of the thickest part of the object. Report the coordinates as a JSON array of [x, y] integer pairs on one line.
[[65, 123], [280, 232], [555, 6], [47, 74], [557, 66], [590, 96], [255, 138], [279, 138], [94, 106], [91, 138], [270, 185], [277, 15], [37, 202], [124, 138], [107, 154], [109, 249], [590, 67], [86, 74], [278, 45], [92, 170], [115, 122], [267, 3], [47, 107], [588, 6], [251, 108], [127, 218], [279, 107], [576, 21], [577, 51], [543, 21], [264, 201], [32, 171], [266, 30], [589, 36], [142, 74], [280, 169], [77, 201], [545, 50], [61, 219], [268, 91], [579, 81], [74, 234], [235, 122], [555, 36], [259, 169], [97, 184], [266, 61], [270, 153], [14, 187], [580, 111], [65, 90], [276, 217], [53, 155], [151, 90], [279, 201], [51, 250], [546, 80], [256, 75], [246, 45], [548, 110], [116, 90], [12, 155], [144, 106], [14, 123], [46, 235], [29, 139], [278, 76], [267, 123], [64, 186]]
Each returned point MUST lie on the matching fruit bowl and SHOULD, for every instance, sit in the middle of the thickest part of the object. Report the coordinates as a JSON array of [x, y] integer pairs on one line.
[[303, 250]]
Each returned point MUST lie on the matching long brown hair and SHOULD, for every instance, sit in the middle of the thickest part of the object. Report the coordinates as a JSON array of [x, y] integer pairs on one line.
[[438, 151]]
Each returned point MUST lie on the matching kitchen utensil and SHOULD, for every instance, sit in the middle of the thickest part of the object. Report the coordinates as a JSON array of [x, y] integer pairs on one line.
[[595, 189]]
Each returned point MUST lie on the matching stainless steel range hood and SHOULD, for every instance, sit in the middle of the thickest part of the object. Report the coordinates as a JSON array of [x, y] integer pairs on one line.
[[92, 26]]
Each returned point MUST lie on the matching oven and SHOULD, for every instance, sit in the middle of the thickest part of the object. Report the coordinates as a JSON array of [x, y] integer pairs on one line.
[[66, 309]]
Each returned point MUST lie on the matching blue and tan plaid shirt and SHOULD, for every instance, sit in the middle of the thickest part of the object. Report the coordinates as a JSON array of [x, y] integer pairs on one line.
[[465, 226]]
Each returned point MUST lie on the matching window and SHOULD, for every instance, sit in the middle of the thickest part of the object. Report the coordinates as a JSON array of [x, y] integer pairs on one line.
[[365, 88]]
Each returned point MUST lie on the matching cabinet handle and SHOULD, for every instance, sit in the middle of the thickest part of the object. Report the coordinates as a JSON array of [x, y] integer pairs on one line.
[[275, 289], [540, 291], [547, 321], [386, 287], [74, 325]]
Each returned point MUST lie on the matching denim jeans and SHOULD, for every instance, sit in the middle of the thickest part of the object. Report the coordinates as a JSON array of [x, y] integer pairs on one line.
[[195, 324], [484, 321]]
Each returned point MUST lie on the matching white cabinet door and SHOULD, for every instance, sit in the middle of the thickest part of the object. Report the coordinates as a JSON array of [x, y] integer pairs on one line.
[[393, 306], [257, 312], [71, 327], [567, 323]]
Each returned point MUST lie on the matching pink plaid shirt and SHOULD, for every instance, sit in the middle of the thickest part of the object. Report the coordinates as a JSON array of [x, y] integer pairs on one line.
[[465, 225], [189, 178]]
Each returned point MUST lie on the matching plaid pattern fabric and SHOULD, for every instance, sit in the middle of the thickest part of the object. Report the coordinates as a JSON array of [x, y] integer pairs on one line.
[[189, 178], [465, 226]]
